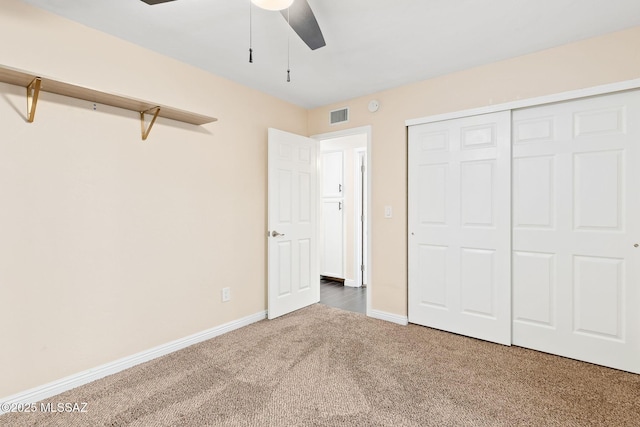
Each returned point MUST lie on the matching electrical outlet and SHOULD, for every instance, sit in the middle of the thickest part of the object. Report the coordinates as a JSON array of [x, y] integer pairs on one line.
[[226, 294]]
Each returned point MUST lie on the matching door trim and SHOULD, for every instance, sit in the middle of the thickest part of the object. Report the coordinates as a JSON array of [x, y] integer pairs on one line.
[[356, 131], [360, 159], [531, 102]]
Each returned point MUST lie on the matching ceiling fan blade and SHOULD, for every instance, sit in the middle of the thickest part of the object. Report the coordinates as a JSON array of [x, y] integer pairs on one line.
[[304, 23], [152, 2]]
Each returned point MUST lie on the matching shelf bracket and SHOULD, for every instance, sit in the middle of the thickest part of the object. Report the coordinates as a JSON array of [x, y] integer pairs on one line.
[[33, 90], [145, 131]]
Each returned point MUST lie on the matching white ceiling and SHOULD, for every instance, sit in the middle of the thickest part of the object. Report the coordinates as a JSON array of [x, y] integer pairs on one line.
[[372, 45]]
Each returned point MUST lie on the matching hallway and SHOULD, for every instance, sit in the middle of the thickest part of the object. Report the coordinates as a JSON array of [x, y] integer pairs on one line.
[[335, 294]]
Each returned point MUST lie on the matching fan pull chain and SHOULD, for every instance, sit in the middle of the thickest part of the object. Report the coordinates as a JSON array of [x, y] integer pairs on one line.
[[288, 48], [250, 33]]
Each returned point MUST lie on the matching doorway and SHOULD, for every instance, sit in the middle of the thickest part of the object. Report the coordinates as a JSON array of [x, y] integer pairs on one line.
[[343, 226]]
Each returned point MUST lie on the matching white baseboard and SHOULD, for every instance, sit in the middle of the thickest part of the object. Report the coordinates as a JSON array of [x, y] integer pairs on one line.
[[389, 317], [350, 283], [56, 387]]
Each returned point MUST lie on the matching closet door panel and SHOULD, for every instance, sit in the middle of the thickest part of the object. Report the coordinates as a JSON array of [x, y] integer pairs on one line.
[[576, 217], [459, 226], [332, 174]]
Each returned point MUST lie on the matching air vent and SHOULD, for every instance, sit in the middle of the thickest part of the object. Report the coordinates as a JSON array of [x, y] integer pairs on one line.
[[339, 116]]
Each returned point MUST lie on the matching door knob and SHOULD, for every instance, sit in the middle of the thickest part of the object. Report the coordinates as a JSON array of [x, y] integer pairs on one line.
[[636, 245], [274, 233]]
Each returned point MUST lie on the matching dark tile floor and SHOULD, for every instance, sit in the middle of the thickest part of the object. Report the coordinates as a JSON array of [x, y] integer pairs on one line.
[[335, 294]]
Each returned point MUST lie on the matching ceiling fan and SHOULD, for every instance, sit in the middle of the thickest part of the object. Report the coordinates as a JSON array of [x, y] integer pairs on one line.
[[297, 12]]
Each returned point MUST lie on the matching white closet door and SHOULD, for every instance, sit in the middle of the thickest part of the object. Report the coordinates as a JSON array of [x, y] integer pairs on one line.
[[332, 261], [576, 216], [333, 240], [332, 174], [459, 226]]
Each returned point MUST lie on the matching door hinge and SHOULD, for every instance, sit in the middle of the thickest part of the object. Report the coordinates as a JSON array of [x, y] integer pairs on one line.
[[362, 267], [362, 168]]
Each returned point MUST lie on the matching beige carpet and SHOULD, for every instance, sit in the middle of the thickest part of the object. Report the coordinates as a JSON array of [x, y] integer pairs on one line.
[[325, 367]]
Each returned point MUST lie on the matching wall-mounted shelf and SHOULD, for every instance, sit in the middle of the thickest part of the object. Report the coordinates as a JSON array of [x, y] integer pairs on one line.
[[35, 84]]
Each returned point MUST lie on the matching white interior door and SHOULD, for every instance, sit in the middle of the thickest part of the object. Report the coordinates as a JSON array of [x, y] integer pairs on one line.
[[293, 281], [576, 218], [459, 226]]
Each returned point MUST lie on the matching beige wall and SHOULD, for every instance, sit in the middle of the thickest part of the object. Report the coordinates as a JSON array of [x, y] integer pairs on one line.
[[588, 63], [110, 245]]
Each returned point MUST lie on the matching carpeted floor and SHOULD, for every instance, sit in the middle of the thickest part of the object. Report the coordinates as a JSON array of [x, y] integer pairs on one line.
[[324, 367]]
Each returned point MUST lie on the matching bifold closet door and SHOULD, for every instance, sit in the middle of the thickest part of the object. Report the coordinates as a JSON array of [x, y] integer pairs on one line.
[[459, 226], [576, 217]]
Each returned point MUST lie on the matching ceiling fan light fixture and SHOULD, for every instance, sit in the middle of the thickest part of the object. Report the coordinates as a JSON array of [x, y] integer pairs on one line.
[[272, 4]]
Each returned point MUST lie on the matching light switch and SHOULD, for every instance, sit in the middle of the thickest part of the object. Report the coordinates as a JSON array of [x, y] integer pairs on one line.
[[388, 212]]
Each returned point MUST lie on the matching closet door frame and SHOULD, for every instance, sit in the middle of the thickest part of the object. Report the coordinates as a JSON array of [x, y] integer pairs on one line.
[[531, 102], [574, 95]]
